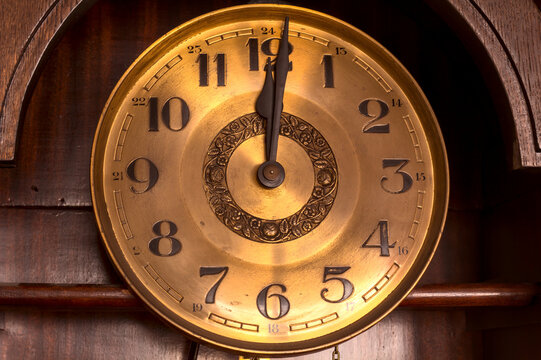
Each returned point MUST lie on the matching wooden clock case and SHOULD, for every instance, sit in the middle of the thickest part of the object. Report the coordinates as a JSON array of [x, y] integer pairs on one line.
[[478, 62]]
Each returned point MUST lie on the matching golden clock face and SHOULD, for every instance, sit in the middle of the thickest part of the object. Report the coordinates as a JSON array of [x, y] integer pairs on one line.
[[294, 267]]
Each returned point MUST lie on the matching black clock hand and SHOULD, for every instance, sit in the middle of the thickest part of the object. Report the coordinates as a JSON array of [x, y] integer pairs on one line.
[[265, 104], [271, 174], [281, 70]]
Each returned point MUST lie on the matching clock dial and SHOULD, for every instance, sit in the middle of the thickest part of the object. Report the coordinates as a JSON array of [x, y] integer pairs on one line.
[[307, 261]]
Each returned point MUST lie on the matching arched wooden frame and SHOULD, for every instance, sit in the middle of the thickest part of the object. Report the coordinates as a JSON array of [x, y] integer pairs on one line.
[[503, 38], [29, 30]]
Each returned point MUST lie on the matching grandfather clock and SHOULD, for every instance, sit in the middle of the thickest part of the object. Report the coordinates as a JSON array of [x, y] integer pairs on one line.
[[64, 289]]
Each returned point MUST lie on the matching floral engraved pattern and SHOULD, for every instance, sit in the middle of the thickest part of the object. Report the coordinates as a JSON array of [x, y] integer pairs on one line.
[[264, 230]]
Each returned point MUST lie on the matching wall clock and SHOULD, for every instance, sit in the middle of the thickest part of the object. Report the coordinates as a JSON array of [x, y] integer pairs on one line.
[[269, 179]]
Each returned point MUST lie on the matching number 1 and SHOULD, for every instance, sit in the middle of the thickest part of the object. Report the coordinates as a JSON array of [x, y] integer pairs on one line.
[[328, 70], [203, 61]]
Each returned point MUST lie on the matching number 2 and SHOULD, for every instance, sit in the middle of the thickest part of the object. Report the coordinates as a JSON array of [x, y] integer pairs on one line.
[[370, 127]]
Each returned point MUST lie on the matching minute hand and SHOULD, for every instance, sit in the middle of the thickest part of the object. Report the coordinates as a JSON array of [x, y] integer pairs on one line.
[[281, 70]]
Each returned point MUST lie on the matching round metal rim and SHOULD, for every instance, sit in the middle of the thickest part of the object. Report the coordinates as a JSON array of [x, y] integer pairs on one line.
[[411, 89]]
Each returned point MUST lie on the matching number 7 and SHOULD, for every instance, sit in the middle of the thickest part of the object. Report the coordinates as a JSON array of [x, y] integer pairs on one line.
[[213, 270]]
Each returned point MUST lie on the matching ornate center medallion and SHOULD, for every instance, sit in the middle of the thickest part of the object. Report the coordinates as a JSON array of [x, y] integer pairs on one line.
[[308, 217]]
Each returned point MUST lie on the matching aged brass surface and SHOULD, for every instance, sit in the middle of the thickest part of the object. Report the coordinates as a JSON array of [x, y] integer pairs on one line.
[[292, 269]]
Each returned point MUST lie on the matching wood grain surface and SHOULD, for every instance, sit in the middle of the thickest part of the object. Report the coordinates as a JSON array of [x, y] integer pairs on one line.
[[28, 29], [504, 39], [33, 334], [73, 297], [52, 247]]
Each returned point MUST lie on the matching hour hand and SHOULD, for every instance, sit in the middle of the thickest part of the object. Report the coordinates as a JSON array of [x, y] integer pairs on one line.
[[265, 104], [269, 105], [270, 174]]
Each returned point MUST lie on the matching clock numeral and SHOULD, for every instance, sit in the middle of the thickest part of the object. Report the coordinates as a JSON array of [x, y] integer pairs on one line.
[[253, 50], [407, 180], [328, 71], [267, 49], [283, 303], [348, 286], [156, 245], [138, 101], [274, 328], [350, 305], [175, 114], [383, 226], [142, 171], [220, 65], [383, 110], [203, 60], [194, 49], [213, 270], [403, 250], [267, 31], [340, 51]]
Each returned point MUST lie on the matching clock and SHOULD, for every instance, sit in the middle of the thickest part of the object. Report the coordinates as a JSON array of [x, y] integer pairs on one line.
[[269, 179]]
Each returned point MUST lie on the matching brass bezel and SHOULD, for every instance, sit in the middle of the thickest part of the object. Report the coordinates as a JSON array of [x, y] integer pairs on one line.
[[349, 34]]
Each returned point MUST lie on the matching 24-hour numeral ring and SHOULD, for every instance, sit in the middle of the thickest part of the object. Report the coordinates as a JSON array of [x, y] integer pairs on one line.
[[251, 227]]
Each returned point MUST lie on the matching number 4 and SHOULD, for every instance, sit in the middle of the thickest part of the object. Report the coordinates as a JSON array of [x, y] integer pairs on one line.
[[383, 226]]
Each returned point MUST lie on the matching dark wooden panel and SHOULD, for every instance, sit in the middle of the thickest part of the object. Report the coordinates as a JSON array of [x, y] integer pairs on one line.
[[52, 246], [457, 258], [512, 343], [509, 229], [85, 335], [48, 233], [411, 335], [123, 335], [511, 240], [501, 318]]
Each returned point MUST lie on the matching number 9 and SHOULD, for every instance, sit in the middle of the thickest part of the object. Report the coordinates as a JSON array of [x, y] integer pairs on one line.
[[150, 170]]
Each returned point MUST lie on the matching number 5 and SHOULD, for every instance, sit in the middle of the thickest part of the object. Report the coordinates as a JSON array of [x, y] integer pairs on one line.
[[348, 286]]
